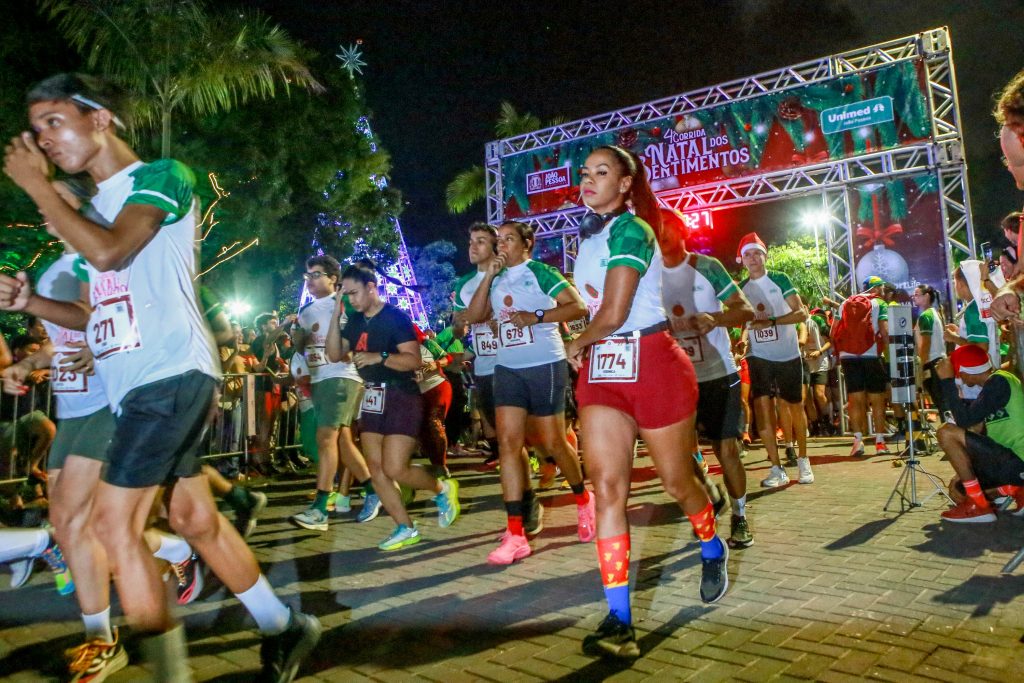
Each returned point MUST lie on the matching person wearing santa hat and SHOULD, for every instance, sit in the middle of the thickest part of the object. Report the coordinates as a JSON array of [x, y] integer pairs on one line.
[[774, 357], [995, 459]]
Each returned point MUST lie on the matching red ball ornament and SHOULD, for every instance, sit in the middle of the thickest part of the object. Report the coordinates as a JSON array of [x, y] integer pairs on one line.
[[747, 127], [848, 87], [656, 131]]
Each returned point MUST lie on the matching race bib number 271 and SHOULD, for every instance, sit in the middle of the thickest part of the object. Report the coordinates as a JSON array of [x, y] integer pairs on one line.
[[112, 328]]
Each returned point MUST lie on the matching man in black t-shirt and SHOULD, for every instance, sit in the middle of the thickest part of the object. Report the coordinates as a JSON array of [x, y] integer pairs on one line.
[[383, 346]]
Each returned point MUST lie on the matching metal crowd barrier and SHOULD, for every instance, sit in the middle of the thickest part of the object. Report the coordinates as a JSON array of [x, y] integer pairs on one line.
[[235, 429]]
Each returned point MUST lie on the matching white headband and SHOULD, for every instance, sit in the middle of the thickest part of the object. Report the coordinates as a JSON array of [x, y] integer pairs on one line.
[[92, 104]]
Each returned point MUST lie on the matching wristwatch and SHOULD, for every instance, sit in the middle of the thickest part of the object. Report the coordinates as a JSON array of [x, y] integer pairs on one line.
[[540, 314], [383, 357]]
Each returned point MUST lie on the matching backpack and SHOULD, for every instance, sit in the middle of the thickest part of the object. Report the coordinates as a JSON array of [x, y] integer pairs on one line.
[[853, 332]]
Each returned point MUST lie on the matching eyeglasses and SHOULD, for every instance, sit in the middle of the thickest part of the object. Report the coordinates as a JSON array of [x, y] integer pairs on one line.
[[313, 275]]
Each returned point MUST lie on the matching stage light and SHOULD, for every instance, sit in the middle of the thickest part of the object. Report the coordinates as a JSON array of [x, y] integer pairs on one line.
[[815, 220], [236, 309]]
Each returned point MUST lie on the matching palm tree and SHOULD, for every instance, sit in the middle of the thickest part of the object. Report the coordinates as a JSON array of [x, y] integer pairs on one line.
[[470, 186], [178, 56]]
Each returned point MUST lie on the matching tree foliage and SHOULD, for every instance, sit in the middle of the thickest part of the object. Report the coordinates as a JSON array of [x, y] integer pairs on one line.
[[296, 168], [470, 186], [181, 55], [432, 264], [806, 267]]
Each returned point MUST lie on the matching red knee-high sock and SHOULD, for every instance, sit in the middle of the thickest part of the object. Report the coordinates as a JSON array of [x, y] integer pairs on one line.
[[613, 559]]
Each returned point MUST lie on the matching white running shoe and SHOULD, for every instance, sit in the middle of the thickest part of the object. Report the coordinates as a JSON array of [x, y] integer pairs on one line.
[[804, 466], [776, 478]]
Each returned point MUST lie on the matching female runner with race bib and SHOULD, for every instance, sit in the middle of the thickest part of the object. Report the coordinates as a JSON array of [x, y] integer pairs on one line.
[[528, 299], [634, 379]]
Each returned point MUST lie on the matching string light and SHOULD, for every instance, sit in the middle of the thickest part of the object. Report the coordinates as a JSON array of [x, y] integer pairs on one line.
[[222, 261]]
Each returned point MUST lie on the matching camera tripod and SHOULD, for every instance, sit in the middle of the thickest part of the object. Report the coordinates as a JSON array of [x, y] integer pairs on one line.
[[907, 482]]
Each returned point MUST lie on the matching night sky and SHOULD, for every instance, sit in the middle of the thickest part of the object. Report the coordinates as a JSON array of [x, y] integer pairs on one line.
[[437, 71]]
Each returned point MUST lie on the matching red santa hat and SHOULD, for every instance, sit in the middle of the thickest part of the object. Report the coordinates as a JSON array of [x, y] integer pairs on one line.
[[970, 360], [749, 241]]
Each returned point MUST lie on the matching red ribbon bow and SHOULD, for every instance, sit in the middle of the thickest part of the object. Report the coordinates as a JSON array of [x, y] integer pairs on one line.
[[882, 236], [808, 158]]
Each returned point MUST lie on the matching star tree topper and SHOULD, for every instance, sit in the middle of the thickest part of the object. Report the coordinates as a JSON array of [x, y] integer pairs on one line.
[[351, 59]]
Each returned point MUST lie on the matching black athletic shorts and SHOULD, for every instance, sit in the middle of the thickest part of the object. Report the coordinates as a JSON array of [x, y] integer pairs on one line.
[[719, 408], [864, 374], [784, 378], [993, 464], [390, 411], [540, 389], [159, 433], [485, 397]]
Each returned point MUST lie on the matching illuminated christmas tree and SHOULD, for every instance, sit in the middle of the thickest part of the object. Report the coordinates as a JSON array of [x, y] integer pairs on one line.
[[399, 286]]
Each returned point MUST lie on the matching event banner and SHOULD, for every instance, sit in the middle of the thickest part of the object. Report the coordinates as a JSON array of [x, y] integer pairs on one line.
[[846, 116]]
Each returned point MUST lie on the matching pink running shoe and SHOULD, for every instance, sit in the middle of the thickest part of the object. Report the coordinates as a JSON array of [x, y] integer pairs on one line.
[[587, 520], [512, 548]]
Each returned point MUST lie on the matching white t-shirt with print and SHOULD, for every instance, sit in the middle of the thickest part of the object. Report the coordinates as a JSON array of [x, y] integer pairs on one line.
[[76, 394], [529, 286], [767, 294], [315, 320], [485, 342], [147, 324]]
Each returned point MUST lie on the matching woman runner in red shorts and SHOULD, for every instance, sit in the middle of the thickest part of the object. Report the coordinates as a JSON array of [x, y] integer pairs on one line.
[[634, 379]]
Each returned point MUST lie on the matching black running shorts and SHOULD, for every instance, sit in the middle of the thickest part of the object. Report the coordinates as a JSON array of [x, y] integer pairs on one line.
[[719, 411], [159, 433], [864, 374], [993, 464], [784, 379]]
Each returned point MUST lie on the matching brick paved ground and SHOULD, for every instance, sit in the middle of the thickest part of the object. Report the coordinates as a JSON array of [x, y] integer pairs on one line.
[[834, 589]]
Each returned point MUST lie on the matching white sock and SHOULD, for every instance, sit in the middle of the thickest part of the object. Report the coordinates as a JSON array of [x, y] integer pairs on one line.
[[98, 626], [174, 549], [739, 505], [19, 544], [271, 615]]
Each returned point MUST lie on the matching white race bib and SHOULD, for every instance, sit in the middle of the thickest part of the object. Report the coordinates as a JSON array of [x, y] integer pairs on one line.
[[316, 356], [512, 336], [63, 380], [373, 400], [484, 343], [615, 360], [767, 334], [694, 348], [577, 326], [113, 328]]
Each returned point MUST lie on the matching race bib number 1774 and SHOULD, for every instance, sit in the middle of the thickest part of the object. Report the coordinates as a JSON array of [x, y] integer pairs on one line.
[[615, 360]]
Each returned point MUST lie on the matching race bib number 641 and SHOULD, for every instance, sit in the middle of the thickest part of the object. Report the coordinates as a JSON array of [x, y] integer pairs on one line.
[[615, 360]]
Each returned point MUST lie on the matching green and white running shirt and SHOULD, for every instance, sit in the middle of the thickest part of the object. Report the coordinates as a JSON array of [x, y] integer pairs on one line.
[[767, 294], [700, 284], [625, 241], [977, 327], [530, 286], [929, 324], [485, 344], [147, 324], [315, 321]]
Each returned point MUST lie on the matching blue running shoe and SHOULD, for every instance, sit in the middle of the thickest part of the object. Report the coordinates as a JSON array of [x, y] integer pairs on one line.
[[371, 508]]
